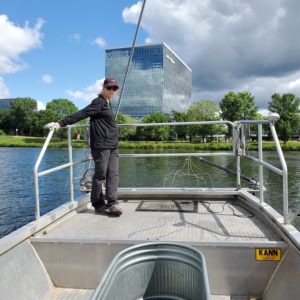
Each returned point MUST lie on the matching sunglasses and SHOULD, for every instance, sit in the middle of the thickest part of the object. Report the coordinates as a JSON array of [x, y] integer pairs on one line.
[[114, 88]]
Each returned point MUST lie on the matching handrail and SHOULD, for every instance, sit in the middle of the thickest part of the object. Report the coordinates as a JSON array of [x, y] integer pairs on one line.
[[237, 127], [283, 172], [35, 174], [176, 124], [284, 175]]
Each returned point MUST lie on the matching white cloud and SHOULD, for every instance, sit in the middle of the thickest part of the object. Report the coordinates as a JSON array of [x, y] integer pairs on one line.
[[294, 84], [264, 112], [47, 79], [4, 92], [15, 41], [100, 41], [89, 93], [75, 37], [40, 105], [131, 14], [229, 44]]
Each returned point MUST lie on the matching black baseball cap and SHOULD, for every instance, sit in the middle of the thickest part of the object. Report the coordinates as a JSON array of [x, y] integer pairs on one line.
[[109, 81]]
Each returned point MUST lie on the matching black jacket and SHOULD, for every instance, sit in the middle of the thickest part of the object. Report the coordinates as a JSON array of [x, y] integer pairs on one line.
[[103, 129]]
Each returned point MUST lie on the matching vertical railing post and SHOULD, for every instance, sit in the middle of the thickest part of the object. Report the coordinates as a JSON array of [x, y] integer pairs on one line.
[[71, 164], [243, 139], [261, 168], [237, 151], [36, 195], [284, 174]]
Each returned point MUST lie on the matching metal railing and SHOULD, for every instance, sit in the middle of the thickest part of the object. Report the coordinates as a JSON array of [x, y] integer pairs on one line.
[[238, 142], [282, 172]]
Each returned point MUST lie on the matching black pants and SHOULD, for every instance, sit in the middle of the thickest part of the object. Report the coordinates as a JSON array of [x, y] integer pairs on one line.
[[106, 174]]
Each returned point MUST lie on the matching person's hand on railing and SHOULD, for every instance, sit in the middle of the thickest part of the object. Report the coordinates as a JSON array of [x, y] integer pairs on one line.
[[52, 126]]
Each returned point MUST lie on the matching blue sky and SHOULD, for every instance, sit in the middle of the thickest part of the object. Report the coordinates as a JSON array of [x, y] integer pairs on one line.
[[68, 55], [55, 48]]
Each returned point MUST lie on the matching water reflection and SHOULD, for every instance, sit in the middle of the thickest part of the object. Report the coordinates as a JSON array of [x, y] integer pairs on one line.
[[17, 192]]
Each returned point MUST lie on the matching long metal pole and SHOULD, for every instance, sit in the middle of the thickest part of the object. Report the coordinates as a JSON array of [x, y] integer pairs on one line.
[[261, 169], [236, 131], [130, 58], [243, 138]]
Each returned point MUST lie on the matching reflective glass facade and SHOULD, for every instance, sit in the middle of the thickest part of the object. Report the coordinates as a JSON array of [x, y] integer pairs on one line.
[[5, 103], [157, 81]]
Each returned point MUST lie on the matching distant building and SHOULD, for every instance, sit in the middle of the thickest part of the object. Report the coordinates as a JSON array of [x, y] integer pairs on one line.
[[158, 80], [5, 103]]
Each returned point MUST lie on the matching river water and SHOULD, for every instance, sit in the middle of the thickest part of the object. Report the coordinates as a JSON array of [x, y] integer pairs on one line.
[[17, 190]]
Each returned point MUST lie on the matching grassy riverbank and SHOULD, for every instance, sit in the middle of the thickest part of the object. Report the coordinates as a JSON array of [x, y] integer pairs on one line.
[[26, 141], [22, 141]]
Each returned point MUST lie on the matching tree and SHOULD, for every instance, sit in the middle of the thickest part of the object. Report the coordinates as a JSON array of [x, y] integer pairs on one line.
[[21, 113], [253, 129], [240, 106], [154, 133], [62, 107], [4, 120], [40, 119], [296, 129], [203, 110], [259, 116], [287, 106], [126, 132], [179, 131]]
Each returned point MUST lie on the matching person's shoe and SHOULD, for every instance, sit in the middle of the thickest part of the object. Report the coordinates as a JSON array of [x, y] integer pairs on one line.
[[102, 209], [115, 210]]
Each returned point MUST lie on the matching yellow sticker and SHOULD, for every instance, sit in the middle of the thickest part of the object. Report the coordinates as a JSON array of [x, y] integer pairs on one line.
[[267, 253]]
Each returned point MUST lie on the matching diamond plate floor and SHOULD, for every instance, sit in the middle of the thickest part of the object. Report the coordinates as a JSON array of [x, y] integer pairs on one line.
[[212, 221]]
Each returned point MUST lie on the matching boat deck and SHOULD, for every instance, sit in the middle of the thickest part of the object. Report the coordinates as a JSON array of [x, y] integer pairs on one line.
[[223, 229], [75, 246], [187, 221]]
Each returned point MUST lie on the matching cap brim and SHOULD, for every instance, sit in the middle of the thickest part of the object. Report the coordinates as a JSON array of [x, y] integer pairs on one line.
[[111, 84]]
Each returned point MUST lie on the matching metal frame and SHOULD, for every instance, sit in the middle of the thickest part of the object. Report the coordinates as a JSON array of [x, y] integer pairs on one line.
[[282, 172], [238, 152]]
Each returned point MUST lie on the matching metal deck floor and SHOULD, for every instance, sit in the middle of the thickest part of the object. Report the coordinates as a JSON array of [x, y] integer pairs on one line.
[[69, 294], [211, 220]]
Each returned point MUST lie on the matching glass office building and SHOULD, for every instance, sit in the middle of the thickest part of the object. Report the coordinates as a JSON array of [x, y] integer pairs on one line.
[[5, 103], [158, 80]]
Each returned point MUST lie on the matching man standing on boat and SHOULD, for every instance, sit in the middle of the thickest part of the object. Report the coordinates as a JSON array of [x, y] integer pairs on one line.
[[104, 147]]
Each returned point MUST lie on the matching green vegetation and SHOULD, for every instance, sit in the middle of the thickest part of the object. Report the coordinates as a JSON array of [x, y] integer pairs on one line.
[[287, 106], [214, 146], [161, 133], [204, 110], [210, 146], [23, 119], [238, 106], [23, 141], [126, 132]]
